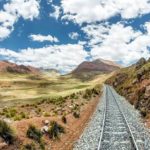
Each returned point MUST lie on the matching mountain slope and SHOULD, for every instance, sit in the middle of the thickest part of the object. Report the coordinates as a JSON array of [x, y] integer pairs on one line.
[[98, 66], [7, 67], [134, 83]]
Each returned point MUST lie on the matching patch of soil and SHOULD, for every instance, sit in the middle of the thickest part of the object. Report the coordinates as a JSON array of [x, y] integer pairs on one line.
[[73, 128]]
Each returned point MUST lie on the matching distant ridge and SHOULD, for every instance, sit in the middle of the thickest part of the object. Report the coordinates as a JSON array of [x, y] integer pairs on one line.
[[97, 66], [8, 67]]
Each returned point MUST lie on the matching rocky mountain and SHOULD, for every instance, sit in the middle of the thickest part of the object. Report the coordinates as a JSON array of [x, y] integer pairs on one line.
[[8, 67], [98, 66], [134, 83]]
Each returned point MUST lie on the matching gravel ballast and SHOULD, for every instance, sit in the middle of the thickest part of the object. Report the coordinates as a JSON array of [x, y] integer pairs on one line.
[[89, 140]]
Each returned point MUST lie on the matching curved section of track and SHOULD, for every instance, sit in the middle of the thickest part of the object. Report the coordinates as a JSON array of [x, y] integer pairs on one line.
[[116, 133]]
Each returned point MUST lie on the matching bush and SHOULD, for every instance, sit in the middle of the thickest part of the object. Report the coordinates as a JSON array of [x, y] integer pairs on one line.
[[55, 130], [64, 119], [9, 112], [46, 114], [23, 115], [74, 96], [34, 133], [76, 114], [20, 116], [17, 118], [76, 107], [6, 133], [42, 145], [29, 147], [143, 112]]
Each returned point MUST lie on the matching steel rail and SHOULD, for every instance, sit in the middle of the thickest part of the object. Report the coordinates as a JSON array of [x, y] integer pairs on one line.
[[104, 118], [128, 126]]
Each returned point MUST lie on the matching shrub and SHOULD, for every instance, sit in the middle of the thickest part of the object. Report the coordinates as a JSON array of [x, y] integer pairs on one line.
[[76, 114], [22, 115], [55, 130], [9, 113], [143, 112], [76, 107], [74, 96], [34, 133], [12, 112], [46, 114], [64, 119], [59, 100], [29, 147], [95, 91], [17, 118], [42, 145], [6, 132]]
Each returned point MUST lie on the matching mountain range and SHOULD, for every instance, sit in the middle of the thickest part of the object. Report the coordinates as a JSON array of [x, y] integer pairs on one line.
[[86, 68]]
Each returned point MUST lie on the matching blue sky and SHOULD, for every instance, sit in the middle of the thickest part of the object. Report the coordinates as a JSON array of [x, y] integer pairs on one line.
[[60, 34]]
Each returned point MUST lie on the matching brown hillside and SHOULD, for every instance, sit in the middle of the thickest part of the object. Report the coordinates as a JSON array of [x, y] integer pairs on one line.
[[134, 83], [8, 67]]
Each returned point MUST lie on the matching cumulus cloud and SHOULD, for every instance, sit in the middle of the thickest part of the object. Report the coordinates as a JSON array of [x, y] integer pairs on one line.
[[42, 38], [117, 42], [89, 11], [111, 41], [15, 9], [74, 35], [57, 56], [56, 13], [147, 27]]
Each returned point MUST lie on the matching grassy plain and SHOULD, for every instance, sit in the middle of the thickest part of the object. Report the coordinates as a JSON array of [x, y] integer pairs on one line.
[[22, 89]]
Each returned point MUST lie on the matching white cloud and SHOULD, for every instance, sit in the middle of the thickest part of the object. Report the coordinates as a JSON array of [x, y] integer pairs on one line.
[[74, 35], [81, 11], [49, 1], [15, 9], [117, 42], [147, 27], [4, 32], [42, 38], [56, 13], [57, 56]]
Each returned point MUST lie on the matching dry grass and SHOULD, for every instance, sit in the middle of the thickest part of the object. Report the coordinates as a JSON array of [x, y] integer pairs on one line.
[[22, 89]]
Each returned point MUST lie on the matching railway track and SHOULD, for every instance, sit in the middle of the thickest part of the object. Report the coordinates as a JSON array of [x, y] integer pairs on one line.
[[116, 132]]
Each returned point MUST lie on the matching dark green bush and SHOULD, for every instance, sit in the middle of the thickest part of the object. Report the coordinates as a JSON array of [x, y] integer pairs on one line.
[[22, 115], [6, 133], [76, 114], [143, 112], [34, 133], [29, 147], [64, 119], [42, 145], [55, 130]]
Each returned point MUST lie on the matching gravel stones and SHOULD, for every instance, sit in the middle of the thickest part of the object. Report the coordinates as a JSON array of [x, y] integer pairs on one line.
[[89, 140]]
